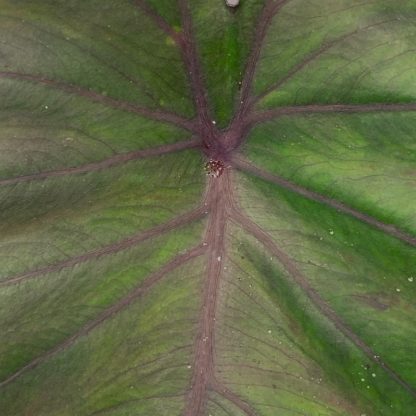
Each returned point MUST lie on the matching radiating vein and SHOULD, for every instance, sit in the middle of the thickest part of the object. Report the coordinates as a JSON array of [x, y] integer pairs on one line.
[[263, 237], [158, 19], [390, 229], [314, 55], [268, 115], [270, 9], [233, 398], [109, 249], [193, 66], [115, 160], [137, 292], [94, 96]]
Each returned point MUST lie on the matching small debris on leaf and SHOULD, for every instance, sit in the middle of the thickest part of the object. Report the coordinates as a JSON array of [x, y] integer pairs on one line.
[[232, 3], [214, 168]]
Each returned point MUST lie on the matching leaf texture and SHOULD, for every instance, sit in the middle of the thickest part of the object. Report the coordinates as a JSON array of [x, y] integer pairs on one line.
[[137, 278]]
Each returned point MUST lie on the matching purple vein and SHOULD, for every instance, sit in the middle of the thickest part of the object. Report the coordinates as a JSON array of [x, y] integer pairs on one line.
[[312, 57], [159, 20], [233, 398], [270, 10], [268, 115], [263, 237], [162, 116], [246, 166], [110, 249], [186, 41], [193, 65], [137, 292], [115, 160]]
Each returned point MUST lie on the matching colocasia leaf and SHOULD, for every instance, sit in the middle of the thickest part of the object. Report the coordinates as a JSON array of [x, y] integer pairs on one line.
[[207, 210]]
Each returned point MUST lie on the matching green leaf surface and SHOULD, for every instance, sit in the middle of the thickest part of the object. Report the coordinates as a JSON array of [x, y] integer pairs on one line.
[[205, 210]]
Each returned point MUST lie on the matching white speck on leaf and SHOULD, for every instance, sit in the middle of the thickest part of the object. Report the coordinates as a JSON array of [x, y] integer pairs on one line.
[[232, 3], [410, 279], [331, 232]]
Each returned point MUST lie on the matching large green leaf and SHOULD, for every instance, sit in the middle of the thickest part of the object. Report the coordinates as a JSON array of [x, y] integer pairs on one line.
[[132, 283]]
